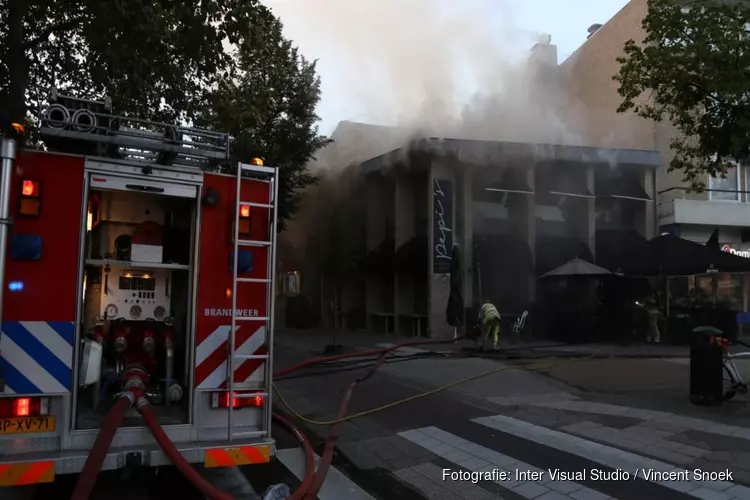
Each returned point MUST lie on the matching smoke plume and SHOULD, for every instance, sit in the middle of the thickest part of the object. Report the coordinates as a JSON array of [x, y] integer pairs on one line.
[[436, 68], [421, 68]]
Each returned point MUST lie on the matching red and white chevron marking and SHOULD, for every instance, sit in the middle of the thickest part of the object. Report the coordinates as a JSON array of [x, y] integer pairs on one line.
[[211, 357]]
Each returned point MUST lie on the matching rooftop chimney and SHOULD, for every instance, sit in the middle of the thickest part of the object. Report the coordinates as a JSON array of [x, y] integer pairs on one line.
[[593, 29], [543, 53]]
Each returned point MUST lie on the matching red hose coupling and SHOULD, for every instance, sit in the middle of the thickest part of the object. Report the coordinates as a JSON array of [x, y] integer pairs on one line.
[[135, 380], [121, 340], [149, 344], [98, 333]]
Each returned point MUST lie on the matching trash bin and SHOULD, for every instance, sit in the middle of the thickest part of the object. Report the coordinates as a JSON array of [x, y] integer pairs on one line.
[[706, 369]]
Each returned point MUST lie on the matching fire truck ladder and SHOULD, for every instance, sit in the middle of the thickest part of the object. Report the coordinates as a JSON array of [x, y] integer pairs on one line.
[[269, 175]]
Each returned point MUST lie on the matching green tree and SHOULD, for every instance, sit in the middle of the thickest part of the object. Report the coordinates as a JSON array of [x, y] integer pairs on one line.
[[142, 53], [267, 104], [693, 69], [167, 61]]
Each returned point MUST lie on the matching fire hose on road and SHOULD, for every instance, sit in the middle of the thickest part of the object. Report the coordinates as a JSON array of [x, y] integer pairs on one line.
[[313, 480]]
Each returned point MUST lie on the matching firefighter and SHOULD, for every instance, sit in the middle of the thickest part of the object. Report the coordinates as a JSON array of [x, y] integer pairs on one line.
[[490, 324]]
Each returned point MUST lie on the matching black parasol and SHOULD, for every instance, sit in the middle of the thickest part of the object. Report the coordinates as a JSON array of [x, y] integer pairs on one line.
[[454, 311]]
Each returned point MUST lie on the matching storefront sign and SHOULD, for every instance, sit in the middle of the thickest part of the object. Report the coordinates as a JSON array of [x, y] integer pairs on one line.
[[733, 251], [442, 225]]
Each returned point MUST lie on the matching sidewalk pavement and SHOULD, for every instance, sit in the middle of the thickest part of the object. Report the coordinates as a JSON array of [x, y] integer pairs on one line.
[[635, 405]]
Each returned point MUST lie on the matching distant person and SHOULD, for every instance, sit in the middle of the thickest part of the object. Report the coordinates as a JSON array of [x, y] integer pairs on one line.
[[490, 324], [653, 313]]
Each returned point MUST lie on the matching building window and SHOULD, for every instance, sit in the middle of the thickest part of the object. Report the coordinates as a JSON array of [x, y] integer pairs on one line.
[[726, 188]]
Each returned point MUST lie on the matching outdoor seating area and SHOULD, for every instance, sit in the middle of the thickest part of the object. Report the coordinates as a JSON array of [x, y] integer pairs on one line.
[[690, 285]]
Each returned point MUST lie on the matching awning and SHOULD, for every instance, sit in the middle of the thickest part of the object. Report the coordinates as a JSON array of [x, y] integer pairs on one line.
[[562, 179], [412, 256], [512, 180], [381, 258], [502, 251], [623, 185]]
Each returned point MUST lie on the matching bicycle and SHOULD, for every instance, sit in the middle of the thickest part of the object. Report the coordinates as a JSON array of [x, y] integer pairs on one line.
[[518, 326], [733, 381]]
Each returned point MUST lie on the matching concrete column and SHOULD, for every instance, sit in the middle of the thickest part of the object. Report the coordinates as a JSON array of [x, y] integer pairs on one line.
[[439, 284], [645, 223], [650, 224], [404, 230], [531, 229], [467, 238], [591, 211], [375, 235]]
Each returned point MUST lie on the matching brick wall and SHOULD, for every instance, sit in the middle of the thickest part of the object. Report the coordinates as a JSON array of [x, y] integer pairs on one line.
[[588, 74]]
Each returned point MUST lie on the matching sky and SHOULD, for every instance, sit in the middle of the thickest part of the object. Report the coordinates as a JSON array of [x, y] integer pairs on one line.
[[386, 61]]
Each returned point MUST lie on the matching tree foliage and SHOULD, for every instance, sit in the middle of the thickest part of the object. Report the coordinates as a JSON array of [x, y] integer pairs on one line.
[[165, 60], [267, 104], [693, 69]]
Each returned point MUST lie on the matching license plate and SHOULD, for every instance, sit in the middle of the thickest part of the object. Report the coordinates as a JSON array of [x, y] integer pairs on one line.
[[26, 425]]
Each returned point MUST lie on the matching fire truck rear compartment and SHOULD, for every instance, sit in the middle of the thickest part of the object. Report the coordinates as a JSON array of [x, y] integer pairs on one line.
[[136, 301]]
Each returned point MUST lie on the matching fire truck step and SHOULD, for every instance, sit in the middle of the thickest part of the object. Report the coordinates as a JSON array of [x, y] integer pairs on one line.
[[251, 318], [247, 387], [253, 280], [253, 394], [254, 243], [248, 434], [256, 205], [251, 356]]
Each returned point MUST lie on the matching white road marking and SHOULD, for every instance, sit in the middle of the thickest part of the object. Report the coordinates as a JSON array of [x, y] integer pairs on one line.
[[336, 486], [614, 458], [476, 458]]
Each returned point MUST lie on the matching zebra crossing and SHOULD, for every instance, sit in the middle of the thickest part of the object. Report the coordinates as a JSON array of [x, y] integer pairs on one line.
[[337, 486], [563, 466]]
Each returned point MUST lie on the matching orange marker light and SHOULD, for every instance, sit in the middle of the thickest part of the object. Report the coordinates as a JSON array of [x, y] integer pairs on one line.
[[30, 188], [257, 161], [244, 210], [19, 129]]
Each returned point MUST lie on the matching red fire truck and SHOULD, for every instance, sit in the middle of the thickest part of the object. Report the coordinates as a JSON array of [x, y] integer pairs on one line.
[[133, 262]]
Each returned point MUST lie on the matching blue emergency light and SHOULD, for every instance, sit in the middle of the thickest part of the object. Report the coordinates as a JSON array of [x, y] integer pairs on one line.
[[244, 261], [26, 247], [15, 286]]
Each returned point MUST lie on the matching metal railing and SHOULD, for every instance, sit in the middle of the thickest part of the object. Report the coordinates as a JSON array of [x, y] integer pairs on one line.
[[666, 197]]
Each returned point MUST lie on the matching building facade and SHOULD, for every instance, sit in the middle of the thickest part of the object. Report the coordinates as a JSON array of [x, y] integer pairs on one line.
[[720, 214], [513, 214]]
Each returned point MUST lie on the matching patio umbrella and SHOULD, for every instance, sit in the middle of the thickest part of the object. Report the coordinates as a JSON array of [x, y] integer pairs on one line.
[[674, 256], [713, 241], [454, 311], [577, 267]]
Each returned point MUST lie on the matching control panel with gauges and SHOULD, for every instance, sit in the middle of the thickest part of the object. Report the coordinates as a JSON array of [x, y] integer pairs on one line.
[[135, 294]]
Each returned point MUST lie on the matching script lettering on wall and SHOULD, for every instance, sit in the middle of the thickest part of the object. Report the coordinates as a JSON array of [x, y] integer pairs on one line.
[[442, 225]]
